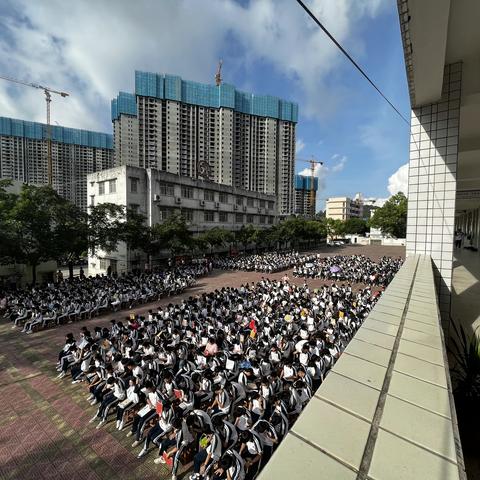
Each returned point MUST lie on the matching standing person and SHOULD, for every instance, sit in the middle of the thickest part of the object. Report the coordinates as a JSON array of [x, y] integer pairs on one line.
[[458, 239]]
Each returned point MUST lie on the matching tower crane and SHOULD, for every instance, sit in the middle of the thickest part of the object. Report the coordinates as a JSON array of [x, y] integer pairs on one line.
[[313, 163], [218, 75], [48, 98]]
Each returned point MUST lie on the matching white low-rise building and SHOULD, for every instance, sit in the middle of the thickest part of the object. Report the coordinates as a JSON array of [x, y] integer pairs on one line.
[[157, 195]]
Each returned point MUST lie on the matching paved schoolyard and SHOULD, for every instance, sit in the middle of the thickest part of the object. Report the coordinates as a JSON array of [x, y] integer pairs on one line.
[[44, 429]]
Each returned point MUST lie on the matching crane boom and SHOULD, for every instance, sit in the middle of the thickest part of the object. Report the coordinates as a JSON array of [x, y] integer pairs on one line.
[[48, 98], [34, 85]]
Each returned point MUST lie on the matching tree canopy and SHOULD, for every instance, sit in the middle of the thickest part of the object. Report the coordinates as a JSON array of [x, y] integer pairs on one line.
[[391, 219]]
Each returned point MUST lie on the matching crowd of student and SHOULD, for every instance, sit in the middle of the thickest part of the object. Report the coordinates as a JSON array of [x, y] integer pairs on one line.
[[218, 378], [67, 300], [265, 262], [351, 268]]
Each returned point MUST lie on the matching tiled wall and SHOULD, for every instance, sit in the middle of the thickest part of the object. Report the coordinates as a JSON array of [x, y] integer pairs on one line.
[[432, 182]]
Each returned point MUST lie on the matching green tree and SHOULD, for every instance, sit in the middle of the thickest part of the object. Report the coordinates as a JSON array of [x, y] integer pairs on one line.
[[334, 228], [105, 226], [70, 233], [7, 235], [391, 219], [174, 235], [215, 237], [356, 226], [32, 223]]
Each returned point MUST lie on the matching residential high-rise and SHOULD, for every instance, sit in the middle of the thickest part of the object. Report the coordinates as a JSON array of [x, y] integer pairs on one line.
[[208, 131], [343, 208], [75, 153], [305, 198]]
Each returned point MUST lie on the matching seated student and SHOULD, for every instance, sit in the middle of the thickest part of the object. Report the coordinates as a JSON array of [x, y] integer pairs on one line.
[[227, 431], [230, 467], [221, 403], [251, 450], [110, 400], [36, 319], [207, 456], [132, 399], [143, 416], [178, 439], [163, 426]]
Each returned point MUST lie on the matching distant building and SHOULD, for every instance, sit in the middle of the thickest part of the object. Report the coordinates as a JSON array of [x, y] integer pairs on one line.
[[305, 196], [208, 131], [370, 205], [158, 195], [343, 208], [75, 153]]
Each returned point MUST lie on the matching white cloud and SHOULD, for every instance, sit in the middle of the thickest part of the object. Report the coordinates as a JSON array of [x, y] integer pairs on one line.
[[90, 49], [398, 182], [339, 166], [299, 145]]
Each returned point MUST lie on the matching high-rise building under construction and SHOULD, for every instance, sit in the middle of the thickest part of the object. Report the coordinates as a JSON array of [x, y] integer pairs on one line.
[[208, 131], [75, 153]]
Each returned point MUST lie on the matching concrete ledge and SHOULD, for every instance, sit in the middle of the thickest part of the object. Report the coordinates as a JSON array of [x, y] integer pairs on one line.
[[386, 410]]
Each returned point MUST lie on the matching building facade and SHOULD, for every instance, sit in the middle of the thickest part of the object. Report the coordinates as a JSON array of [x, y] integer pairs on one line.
[[343, 208], [207, 131], [305, 196], [75, 153], [442, 50], [157, 195]]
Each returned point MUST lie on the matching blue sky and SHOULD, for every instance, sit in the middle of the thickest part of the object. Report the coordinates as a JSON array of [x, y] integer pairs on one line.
[[91, 49]]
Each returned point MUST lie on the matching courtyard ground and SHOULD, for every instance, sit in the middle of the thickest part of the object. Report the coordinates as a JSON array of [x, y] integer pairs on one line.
[[44, 429]]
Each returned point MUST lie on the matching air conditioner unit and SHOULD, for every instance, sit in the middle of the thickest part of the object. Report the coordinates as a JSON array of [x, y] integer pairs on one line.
[[202, 203], [178, 200], [157, 198], [217, 204]]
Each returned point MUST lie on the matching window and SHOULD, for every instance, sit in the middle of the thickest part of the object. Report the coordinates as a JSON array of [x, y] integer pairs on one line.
[[223, 197], [239, 218], [239, 200], [250, 202], [187, 214], [134, 207], [101, 188], [166, 189], [262, 203], [134, 184], [262, 220], [209, 195], [112, 186], [270, 205], [103, 263], [92, 200], [187, 192], [164, 213], [249, 218], [270, 220], [223, 217], [208, 216]]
